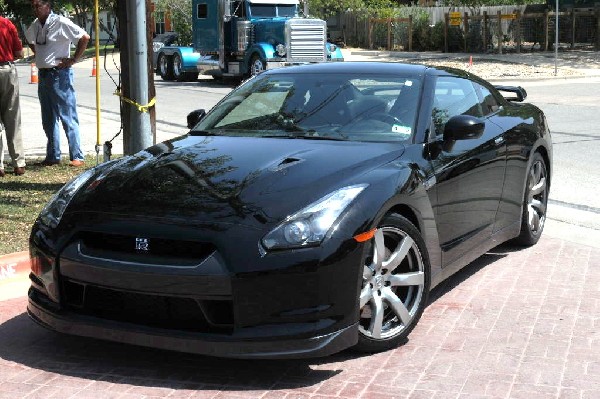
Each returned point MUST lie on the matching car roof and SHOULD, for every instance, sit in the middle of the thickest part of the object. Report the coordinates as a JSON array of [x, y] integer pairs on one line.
[[367, 67]]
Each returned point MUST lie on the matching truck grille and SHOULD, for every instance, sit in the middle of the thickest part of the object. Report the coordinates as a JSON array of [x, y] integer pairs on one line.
[[306, 38]]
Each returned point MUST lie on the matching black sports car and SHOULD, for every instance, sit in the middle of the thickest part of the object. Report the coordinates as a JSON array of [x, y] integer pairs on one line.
[[313, 209]]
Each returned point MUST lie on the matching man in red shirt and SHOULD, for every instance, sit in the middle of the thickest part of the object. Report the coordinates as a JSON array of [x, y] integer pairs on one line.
[[10, 111]]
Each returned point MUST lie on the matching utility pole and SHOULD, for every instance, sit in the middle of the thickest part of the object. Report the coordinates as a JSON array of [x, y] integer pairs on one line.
[[137, 77]]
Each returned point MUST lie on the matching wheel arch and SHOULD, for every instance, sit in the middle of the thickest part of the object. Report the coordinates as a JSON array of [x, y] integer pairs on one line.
[[407, 212], [257, 49], [544, 153]]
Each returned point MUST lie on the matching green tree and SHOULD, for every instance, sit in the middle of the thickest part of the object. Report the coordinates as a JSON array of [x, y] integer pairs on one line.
[[180, 12], [21, 12], [327, 8]]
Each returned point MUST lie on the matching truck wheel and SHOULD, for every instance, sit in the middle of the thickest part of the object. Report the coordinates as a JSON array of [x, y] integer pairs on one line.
[[257, 65], [165, 67], [178, 73]]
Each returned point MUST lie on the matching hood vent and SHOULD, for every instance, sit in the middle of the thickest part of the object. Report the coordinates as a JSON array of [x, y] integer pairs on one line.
[[286, 163]]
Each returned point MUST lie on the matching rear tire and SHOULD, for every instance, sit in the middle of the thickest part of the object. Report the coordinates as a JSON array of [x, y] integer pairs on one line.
[[394, 285], [178, 73], [165, 67], [535, 202]]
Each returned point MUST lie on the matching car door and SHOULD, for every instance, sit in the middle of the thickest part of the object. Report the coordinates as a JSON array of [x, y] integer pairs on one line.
[[509, 210], [469, 173]]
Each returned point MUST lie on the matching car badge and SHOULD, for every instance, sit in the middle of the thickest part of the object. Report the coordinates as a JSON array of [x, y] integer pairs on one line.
[[142, 244]]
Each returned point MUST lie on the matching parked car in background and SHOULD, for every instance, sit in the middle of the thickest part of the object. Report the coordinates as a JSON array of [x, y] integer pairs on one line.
[[311, 210]]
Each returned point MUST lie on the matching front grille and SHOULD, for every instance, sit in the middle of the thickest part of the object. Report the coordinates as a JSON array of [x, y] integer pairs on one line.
[[159, 311], [306, 40], [180, 252]]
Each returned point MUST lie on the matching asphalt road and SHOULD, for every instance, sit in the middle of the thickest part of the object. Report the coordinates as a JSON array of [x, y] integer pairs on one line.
[[570, 106]]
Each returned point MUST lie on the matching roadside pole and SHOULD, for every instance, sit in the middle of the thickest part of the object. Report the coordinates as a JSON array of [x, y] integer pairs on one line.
[[139, 118]]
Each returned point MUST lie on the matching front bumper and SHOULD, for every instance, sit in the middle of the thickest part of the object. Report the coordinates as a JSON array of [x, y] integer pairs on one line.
[[40, 309], [186, 296]]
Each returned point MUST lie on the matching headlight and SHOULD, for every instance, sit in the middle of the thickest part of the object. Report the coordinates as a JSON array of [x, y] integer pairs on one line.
[[54, 209], [310, 225], [280, 48]]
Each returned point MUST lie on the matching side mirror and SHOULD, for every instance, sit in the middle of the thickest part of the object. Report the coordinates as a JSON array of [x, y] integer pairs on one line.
[[194, 117], [463, 127]]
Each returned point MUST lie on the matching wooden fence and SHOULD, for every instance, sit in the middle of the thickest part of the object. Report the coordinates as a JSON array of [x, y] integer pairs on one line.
[[468, 32]]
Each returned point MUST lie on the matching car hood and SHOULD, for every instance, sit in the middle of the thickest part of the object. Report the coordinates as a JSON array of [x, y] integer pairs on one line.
[[229, 179]]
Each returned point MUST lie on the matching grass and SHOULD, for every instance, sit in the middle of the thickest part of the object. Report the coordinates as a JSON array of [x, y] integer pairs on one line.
[[23, 197]]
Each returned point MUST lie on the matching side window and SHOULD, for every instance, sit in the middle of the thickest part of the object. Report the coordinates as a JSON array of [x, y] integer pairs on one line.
[[238, 9], [202, 11], [453, 96], [489, 104]]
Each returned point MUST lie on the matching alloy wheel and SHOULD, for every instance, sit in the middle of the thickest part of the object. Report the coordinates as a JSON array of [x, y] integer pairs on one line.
[[537, 197], [393, 285]]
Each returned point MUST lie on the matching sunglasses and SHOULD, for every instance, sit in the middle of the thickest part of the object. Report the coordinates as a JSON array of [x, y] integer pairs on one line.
[[44, 36], [37, 35]]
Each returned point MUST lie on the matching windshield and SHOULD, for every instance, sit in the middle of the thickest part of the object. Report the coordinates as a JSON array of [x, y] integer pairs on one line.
[[272, 10], [323, 106]]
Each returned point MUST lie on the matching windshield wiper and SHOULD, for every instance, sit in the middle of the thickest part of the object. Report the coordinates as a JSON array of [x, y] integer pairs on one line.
[[306, 137], [202, 133], [303, 136]]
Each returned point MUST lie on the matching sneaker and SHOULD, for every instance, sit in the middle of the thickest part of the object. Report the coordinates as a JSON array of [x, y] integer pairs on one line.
[[19, 170], [76, 163], [2, 174]]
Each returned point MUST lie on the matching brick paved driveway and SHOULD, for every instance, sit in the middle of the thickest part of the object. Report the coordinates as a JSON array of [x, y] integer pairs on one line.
[[514, 324]]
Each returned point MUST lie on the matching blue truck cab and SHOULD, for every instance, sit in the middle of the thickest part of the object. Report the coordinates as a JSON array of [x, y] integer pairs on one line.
[[239, 38]]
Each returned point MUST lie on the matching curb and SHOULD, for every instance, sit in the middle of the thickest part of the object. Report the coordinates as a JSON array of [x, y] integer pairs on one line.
[[14, 267]]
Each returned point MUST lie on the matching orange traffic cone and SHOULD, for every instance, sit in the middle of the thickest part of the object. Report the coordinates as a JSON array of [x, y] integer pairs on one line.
[[34, 73], [93, 68]]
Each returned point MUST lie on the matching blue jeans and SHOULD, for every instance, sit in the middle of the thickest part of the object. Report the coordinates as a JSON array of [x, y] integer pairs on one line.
[[57, 100]]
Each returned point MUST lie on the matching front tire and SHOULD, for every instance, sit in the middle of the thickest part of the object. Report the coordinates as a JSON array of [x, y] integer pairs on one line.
[[257, 65], [535, 202], [395, 285]]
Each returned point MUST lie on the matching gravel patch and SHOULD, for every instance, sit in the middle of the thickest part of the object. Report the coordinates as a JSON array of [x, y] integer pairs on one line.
[[491, 69]]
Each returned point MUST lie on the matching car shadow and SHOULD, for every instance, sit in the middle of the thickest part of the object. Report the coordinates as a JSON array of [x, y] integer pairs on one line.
[[27, 344], [472, 268]]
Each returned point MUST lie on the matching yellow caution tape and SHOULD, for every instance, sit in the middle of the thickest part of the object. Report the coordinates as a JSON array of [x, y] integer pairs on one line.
[[140, 107]]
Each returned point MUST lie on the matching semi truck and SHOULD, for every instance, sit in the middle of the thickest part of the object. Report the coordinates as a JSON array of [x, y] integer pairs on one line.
[[241, 38]]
